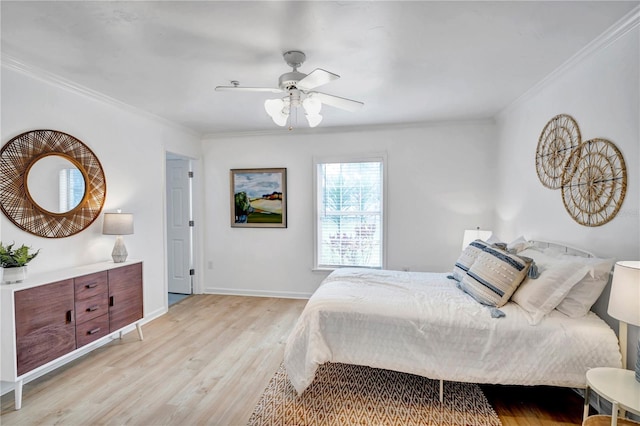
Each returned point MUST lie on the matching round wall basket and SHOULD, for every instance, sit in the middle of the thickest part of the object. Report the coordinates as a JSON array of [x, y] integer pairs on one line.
[[594, 192], [553, 155], [31, 183]]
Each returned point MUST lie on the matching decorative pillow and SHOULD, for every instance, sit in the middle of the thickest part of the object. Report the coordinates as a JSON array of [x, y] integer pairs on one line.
[[518, 245], [494, 276], [467, 258], [540, 296], [584, 294], [493, 239]]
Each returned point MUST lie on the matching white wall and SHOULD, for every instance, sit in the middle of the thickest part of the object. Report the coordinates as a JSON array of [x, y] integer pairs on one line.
[[131, 148], [440, 181], [602, 93]]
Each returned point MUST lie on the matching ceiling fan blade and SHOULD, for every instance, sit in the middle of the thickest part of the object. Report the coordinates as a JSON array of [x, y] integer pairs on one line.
[[316, 78], [338, 102], [247, 89]]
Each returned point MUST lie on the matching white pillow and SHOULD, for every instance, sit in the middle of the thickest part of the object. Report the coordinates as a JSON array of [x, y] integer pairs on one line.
[[493, 239], [538, 297], [519, 244], [584, 294]]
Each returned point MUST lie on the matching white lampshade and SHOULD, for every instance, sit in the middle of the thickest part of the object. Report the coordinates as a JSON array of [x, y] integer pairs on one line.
[[117, 224], [313, 120], [624, 300], [471, 235], [276, 110], [312, 105]]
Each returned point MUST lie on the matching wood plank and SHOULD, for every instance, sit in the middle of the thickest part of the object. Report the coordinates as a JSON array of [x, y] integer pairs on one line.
[[125, 296], [207, 361], [45, 325]]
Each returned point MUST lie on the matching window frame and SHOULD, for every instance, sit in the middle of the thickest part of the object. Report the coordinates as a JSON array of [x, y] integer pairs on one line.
[[317, 192]]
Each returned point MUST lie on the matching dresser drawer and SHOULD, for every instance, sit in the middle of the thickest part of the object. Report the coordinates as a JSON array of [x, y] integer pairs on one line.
[[92, 330], [91, 308], [88, 286]]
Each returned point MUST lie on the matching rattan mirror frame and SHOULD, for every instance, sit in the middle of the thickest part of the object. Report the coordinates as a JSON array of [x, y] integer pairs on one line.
[[16, 159]]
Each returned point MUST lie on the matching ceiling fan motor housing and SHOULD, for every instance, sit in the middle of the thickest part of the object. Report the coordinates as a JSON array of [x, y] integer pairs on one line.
[[290, 80]]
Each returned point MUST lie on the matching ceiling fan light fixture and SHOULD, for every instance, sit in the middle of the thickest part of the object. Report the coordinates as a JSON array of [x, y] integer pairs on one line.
[[312, 105], [278, 111], [313, 120]]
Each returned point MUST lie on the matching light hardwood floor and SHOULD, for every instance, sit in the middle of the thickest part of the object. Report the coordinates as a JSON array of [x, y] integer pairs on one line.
[[207, 362]]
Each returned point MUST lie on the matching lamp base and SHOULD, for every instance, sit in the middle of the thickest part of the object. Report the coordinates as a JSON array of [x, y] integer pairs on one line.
[[638, 362], [119, 253]]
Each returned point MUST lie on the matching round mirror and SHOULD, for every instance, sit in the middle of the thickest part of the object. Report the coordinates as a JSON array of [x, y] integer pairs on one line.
[[55, 183], [32, 194]]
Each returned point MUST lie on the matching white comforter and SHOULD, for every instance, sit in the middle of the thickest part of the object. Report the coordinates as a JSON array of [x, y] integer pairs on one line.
[[420, 323]]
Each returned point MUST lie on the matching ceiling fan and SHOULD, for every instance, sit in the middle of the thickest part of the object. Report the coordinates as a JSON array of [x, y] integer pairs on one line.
[[298, 88]]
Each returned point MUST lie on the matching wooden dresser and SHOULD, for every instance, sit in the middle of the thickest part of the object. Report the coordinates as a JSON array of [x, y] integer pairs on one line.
[[51, 317]]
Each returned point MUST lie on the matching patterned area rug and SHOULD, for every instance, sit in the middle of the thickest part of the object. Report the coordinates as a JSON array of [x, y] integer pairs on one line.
[[344, 394]]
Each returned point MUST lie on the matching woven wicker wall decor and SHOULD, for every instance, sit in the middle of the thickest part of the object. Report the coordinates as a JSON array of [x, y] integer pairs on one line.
[[557, 141], [592, 175], [594, 192], [20, 154]]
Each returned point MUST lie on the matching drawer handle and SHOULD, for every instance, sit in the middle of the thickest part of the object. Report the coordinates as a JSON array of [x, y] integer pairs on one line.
[[91, 285], [69, 316], [92, 308], [111, 300], [94, 331]]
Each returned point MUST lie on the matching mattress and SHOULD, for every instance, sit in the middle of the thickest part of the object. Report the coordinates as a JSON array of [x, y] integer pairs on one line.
[[421, 323]]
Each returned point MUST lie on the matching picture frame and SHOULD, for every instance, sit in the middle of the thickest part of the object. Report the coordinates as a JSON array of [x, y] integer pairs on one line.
[[258, 198]]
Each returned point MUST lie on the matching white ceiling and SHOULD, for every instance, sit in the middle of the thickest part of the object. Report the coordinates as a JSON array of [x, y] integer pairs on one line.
[[407, 61]]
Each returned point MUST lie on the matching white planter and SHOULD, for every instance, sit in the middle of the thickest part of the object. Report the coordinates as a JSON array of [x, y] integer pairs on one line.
[[14, 275]]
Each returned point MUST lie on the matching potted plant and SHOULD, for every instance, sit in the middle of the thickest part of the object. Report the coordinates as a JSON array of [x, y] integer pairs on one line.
[[14, 262]]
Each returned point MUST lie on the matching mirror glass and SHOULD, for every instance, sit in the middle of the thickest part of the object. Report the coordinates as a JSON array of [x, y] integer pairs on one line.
[[56, 184]]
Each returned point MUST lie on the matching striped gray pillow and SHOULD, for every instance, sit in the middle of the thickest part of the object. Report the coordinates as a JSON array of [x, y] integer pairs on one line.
[[495, 276], [467, 258]]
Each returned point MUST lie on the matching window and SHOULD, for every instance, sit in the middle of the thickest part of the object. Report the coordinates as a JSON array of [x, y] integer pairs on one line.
[[349, 213], [71, 189]]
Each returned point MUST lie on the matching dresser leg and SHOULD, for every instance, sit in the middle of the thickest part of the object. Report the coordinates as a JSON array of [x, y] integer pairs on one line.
[[139, 328], [18, 394]]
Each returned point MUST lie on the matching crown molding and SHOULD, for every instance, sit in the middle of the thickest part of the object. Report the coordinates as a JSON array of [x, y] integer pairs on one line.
[[13, 63], [306, 131], [618, 30]]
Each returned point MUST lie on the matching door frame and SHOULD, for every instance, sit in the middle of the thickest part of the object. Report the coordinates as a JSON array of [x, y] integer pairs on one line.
[[195, 209]]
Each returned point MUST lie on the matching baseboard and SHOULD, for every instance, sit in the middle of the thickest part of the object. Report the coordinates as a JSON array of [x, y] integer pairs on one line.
[[153, 315], [256, 293]]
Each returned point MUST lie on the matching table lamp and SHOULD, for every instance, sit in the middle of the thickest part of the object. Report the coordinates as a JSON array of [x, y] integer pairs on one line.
[[118, 224], [470, 235], [624, 303]]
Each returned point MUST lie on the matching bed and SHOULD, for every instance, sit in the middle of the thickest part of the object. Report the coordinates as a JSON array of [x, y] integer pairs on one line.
[[425, 324]]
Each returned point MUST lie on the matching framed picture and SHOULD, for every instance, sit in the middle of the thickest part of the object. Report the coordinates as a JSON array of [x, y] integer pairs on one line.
[[259, 198]]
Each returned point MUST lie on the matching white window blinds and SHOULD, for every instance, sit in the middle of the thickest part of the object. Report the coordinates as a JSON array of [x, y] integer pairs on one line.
[[349, 216]]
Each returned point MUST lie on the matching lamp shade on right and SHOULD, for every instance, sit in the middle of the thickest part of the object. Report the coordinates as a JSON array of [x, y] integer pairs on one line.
[[624, 301]]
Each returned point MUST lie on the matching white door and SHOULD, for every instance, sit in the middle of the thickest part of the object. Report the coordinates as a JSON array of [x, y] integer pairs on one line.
[[178, 228]]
